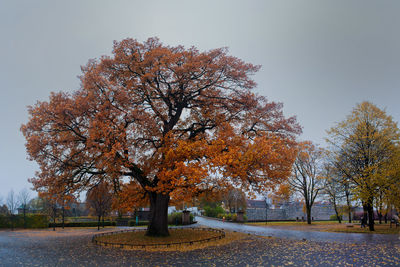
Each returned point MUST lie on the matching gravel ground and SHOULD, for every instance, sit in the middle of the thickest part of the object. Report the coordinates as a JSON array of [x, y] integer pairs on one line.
[[73, 247]]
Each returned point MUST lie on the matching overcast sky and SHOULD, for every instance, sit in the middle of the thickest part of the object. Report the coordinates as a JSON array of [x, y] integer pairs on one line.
[[320, 58]]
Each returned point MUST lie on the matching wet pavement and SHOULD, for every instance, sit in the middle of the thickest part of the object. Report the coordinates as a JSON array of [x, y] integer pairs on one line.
[[299, 235], [73, 247]]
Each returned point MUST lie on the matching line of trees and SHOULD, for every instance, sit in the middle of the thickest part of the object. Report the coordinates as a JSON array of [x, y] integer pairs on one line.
[[13, 202], [362, 164], [55, 206], [365, 152]]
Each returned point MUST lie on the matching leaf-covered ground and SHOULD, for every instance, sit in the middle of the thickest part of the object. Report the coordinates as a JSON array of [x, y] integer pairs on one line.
[[176, 235], [74, 248], [328, 226]]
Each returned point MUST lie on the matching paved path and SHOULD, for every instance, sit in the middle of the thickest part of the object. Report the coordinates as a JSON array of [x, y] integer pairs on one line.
[[73, 247], [299, 235]]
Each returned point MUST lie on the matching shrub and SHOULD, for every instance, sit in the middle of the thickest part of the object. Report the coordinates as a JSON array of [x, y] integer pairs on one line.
[[32, 221], [36, 221], [213, 212], [175, 218], [4, 221], [335, 218], [140, 223], [230, 217], [82, 224]]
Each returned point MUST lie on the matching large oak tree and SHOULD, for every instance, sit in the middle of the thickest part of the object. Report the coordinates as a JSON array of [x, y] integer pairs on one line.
[[176, 122]]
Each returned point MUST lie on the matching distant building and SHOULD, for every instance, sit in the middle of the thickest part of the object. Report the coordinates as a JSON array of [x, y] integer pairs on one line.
[[256, 211], [73, 210]]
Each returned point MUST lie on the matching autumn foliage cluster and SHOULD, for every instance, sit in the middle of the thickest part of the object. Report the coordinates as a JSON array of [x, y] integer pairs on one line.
[[360, 167], [158, 123], [365, 159]]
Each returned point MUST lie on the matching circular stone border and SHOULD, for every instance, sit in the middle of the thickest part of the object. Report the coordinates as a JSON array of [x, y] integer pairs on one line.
[[163, 245]]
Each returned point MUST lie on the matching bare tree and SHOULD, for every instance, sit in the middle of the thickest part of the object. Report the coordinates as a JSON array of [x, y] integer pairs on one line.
[[65, 200], [24, 197], [99, 200], [12, 204], [52, 208], [305, 177], [3, 207], [332, 188], [235, 200]]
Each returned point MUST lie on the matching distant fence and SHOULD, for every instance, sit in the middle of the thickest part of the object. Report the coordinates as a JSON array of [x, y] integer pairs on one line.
[[220, 235]]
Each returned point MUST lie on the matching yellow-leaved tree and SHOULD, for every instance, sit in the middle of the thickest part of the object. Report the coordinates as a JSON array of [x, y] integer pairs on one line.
[[365, 146]]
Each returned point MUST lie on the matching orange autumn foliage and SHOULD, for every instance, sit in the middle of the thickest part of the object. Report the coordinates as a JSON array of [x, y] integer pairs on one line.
[[177, 122]]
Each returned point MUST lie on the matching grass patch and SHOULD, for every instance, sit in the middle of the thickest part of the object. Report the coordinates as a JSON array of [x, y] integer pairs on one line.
[[379, 229], [291, 223], [331, 226], [176, 236]]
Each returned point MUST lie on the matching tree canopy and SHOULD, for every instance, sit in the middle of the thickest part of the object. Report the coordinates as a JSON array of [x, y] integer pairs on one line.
[[366, 149], [176, 122]]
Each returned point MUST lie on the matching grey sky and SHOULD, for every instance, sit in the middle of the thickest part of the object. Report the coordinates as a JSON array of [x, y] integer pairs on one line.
[[319, 57]]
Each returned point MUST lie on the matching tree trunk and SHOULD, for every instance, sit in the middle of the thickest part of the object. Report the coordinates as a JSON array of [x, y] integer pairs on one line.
[[370, 210], [308, 208], [337, 213], [63, 217], [24, 217], [158, 225], [348, 205], [98, 223], [349, 215], [364, 218]]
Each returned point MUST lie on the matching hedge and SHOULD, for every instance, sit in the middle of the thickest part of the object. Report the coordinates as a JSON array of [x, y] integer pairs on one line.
[[335, 217], [213, 211], [140, 223], [230, 216], [175, 218], [32, 221], [82, 224]]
